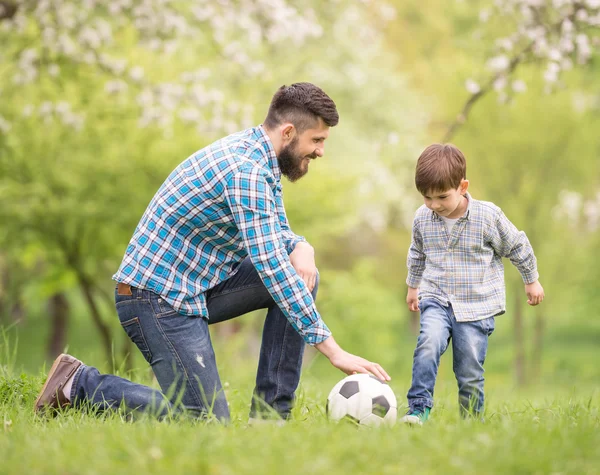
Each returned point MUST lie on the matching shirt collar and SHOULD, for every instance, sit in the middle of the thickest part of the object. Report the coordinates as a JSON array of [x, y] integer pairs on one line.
[[267, 146], [434, 215]]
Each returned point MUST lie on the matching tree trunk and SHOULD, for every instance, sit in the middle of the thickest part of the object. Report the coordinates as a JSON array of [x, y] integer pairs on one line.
[[103, 329], [59, 310], [519, 334], [538, 345], [126, 350]]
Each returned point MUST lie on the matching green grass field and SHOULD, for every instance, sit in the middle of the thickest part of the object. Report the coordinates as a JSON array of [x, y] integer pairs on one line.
[[534, 432], [551, 426]]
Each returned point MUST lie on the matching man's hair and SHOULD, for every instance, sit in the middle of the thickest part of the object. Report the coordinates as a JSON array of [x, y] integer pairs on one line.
[[440, 167], [302, 104]]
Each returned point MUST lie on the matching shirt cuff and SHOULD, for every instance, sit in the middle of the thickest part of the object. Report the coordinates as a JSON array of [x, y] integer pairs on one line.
[[530, 276], [413, 281], [292, 243], [316, 333]]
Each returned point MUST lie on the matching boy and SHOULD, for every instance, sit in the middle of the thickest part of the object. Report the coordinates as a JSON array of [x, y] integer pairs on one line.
[[456, 278]]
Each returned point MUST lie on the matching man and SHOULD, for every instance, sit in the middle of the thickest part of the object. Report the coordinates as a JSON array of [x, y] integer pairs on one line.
[[213, 244]]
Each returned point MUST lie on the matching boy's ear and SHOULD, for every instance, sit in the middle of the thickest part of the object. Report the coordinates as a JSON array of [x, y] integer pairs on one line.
[[464, 186]]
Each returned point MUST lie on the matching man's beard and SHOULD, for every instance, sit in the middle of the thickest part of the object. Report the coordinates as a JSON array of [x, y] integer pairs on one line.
[[290, 163]]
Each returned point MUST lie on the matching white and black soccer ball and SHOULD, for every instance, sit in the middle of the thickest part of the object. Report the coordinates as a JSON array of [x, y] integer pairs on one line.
[[364, 399]]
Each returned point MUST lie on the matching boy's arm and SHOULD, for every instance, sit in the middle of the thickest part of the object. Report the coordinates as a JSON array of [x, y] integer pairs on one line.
[[513, 244], [416, 266]]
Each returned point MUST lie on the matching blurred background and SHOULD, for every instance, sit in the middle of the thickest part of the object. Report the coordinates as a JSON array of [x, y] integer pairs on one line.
[[100, 100]]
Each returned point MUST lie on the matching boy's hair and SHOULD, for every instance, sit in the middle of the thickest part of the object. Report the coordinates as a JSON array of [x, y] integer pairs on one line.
[[301, 104], [440, 167]]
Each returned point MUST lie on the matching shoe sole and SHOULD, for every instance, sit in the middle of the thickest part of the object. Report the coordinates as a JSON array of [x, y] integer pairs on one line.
[[50, 374], [411, 420]]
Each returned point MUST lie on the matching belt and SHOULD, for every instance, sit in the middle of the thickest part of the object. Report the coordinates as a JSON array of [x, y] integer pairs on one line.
[[123, 289]]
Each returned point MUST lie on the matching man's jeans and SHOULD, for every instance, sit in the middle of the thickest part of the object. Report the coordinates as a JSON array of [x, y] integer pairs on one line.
[[179, 349], [469, 347]]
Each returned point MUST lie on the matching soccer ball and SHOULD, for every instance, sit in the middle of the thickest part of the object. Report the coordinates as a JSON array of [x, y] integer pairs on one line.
[[364, 399]]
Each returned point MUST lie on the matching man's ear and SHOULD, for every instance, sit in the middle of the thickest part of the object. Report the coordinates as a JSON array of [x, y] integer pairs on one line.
[[288, 132], [464, 186]]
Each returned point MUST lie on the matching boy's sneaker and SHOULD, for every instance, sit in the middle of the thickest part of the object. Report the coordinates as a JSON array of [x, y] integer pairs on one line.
[[416, 416]]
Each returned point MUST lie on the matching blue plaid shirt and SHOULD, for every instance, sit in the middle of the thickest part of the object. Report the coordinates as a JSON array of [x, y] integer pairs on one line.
[[465, 268], [221, 205]]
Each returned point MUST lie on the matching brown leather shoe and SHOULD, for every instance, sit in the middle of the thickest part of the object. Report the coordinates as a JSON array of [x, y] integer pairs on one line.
[[51, 396]]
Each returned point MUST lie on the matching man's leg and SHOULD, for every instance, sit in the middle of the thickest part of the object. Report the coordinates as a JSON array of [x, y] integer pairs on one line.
[[178, 348], [433, 341], [469, 348], [282, 347]]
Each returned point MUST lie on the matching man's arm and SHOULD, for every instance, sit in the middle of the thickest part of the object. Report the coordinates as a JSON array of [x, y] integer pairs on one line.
[[253, 207]]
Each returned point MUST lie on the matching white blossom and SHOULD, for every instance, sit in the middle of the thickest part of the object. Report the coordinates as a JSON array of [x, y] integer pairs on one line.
[[519, 85], [499, 63], [472, 87]]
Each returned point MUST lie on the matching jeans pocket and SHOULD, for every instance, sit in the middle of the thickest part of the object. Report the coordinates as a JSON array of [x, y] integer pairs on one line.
[[489, 324], [134, 331]]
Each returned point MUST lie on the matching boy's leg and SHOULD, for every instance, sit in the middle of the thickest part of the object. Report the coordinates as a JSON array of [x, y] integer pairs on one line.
[[282, 347], [434, 336], [469, 347]]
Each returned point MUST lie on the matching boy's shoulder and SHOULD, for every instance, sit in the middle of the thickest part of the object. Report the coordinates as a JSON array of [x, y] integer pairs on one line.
[[483, 209]]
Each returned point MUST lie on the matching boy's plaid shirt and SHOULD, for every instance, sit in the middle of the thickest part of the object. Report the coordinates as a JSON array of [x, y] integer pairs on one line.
[[221, 205], [465, 268]]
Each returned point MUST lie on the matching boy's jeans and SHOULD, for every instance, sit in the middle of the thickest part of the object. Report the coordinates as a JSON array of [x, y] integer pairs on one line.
[[179, 349], [469, 347]]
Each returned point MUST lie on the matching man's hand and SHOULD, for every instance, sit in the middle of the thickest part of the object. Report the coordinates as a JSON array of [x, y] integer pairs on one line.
[[303, 260], [412, 299], [349, 363], [535, 293]]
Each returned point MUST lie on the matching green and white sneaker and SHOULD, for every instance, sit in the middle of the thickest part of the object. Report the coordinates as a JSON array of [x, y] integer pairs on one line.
[[416, 417]]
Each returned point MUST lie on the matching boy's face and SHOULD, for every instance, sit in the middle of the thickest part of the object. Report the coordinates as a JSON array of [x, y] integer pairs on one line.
[[450, 203]]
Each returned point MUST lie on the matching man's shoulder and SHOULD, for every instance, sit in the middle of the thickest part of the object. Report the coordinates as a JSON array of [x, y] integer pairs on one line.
[[239, 152], [243, 144]]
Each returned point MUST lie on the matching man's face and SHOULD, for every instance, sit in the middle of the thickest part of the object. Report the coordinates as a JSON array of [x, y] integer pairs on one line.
[[296, 155]]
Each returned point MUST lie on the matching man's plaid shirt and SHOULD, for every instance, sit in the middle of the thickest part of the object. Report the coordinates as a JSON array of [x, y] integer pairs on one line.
[[465, 268], [221, 205]]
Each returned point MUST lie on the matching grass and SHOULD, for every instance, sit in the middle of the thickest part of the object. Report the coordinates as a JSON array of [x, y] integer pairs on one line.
[[550, 427], [520, 435]]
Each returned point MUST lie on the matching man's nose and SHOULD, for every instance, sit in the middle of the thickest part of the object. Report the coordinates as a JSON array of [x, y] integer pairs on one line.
[[319, 151]]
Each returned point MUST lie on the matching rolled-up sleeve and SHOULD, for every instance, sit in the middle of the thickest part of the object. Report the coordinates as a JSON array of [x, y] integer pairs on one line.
[[256, 215]]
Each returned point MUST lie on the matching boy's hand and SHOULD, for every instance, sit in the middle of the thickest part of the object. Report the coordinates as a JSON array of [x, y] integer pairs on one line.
[[412, 299], [535, 293]]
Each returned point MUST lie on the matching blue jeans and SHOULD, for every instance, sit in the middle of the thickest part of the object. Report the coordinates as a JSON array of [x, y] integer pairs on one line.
[[469, 347], [179, 349]]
